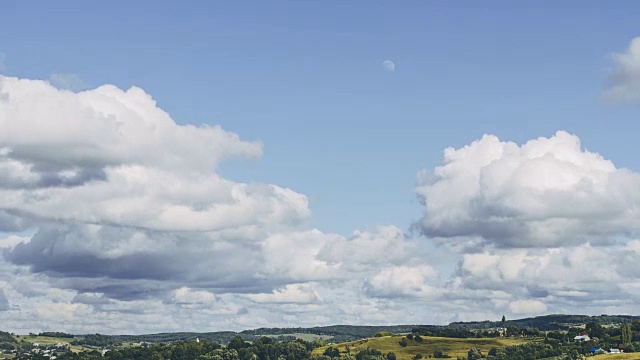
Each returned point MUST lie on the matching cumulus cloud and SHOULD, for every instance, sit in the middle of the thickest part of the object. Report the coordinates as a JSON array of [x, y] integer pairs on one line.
[[115, 190], [104, 127], [624, 78], [547, 192], [291, 293], [386, 245], [116, 209], [116, 216], [193, 298], [96, 157], [527, 307], [560, 278], [402, 281]]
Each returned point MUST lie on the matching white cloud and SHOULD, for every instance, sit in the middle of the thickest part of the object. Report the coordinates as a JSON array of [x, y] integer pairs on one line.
[[193, 298], [291, 293], [12, 240], [105, 127], [131, 222], [561, 278], [624, 79], [402, 281], [117, 192], [133, 229], [389, 65], [386, 245], [295, 256], [527, 307], [96, 157], [547, 192]]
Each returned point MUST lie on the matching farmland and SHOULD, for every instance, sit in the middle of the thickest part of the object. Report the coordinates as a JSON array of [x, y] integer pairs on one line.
[[451, 346]]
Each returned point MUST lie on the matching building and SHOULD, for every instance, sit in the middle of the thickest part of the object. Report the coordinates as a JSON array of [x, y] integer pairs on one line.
[[581, 338]]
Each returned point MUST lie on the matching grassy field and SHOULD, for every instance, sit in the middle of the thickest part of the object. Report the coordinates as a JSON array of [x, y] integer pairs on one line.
[[630, 356], [450, 346], [45, 340]]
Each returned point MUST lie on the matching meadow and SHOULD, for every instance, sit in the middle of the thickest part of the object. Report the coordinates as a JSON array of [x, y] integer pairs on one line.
[[630, 356], [451, 346]]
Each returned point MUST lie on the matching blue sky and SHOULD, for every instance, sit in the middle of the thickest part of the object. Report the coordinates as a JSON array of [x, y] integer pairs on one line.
[[306, 80]]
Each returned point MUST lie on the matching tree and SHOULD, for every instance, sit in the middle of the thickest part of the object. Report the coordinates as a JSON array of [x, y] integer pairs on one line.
[[625, 337], [391, 356], [474, 354], [513, 331], [630, 348], [403, 342], [237, 343], [595, 330], [368, 354], [504, 320], [332, 352]]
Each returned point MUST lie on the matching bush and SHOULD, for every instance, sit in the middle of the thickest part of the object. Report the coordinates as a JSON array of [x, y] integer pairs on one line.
[[382, 333], [331, 352], [368, 353], [474, 354], [7, 346]]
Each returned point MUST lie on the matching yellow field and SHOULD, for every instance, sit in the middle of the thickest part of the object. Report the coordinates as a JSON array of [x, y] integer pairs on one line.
[[45, 340], [450, 346], [630, 356]]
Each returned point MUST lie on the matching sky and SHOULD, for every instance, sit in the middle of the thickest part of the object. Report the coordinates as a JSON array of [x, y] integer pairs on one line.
[[204, 166]]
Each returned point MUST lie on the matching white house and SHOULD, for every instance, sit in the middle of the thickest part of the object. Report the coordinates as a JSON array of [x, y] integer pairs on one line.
[[581, 338]]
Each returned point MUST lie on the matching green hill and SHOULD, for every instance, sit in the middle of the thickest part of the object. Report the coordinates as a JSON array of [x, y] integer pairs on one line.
[[450, 346]]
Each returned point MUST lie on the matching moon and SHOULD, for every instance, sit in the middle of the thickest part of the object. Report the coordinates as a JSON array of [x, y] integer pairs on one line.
[[389, 65]]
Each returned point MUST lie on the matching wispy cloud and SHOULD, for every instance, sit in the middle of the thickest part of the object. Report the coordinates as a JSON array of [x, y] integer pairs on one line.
[[67, 81], [624, 78]]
